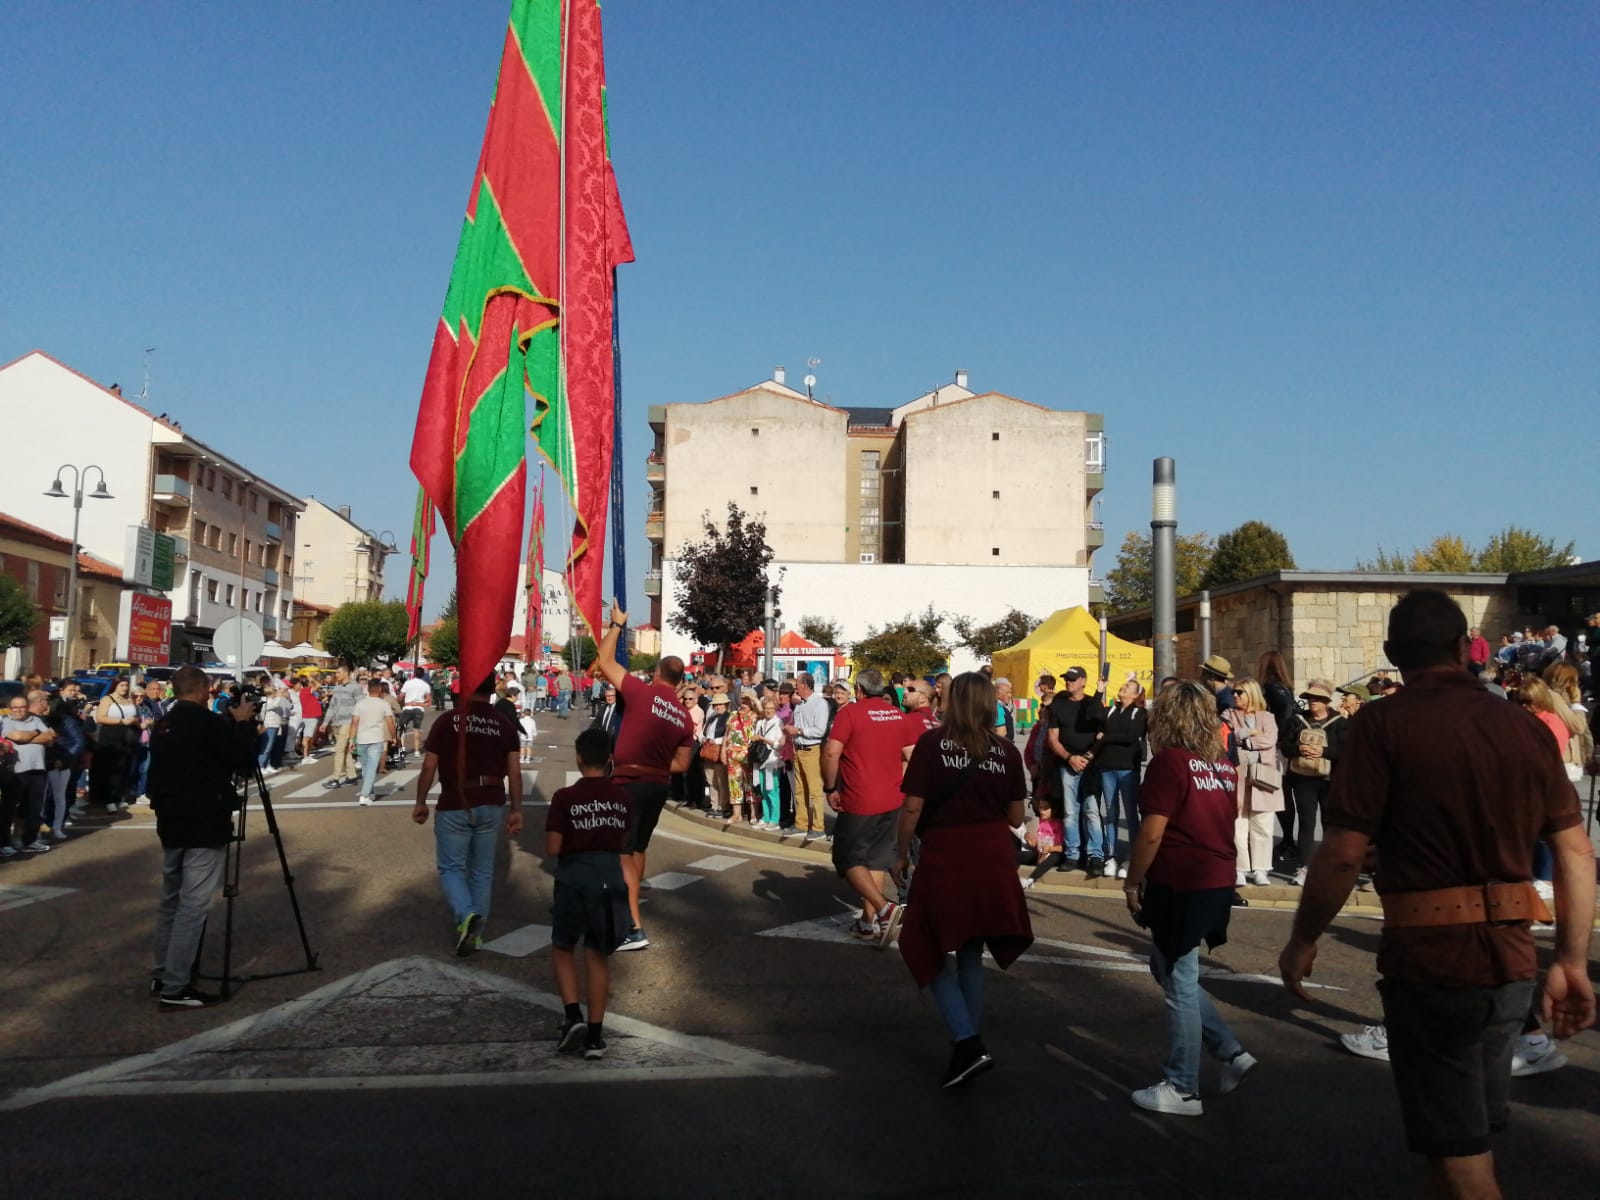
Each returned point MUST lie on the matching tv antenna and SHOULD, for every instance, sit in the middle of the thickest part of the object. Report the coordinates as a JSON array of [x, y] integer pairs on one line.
[[144, 392], [811, 379]]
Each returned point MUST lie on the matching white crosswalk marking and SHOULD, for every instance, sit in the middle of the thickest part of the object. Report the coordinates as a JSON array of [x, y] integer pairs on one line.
[[520, 943], [671, 881], [718, 862]]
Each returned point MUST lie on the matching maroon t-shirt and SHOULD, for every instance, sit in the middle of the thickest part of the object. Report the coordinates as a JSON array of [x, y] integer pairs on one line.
[[952, 794], [654, 725], [918, 723], [590, 815], [490, 737], [873, 733], [1197, 798]]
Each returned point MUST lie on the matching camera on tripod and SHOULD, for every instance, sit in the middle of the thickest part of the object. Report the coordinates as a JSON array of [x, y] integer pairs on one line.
[[247, 693]]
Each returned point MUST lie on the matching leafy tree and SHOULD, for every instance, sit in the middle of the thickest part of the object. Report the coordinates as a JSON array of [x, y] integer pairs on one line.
[[367, 631], [1514, 549], [643, 660], [912, 644], [722, 581], [1447, 553], [444, 643], [824, 631], [1388, 562], [19, 615], [984, 640], [1129, 584], [1254, 548], [586, 651]]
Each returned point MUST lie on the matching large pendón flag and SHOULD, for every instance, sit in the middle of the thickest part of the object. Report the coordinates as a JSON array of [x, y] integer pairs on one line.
[[528, 312], [422, 526], [533, 636]]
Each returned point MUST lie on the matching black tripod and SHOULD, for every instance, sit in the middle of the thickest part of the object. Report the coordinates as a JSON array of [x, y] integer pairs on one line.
[[234, 852]]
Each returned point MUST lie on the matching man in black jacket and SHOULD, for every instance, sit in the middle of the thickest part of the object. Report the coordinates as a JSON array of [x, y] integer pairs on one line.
[[194, 755]]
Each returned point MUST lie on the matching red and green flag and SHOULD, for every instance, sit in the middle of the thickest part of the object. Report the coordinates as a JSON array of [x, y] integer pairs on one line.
[[528, 312], [421, 541], [532, 643]]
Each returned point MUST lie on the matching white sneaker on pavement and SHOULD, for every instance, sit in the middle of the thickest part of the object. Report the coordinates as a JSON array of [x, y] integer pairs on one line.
[[1234, 1071], [1371, 1042], [1164, 1098], [1299, 879], [1535, 1054], [1111, 870], [364, 801], [1239, 879], [1260, 879]]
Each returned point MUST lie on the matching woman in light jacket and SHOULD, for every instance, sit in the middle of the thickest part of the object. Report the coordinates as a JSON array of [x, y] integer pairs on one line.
[[1255, 730]]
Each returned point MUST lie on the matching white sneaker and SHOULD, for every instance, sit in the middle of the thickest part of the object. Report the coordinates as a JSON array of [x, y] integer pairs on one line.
[[364, 801], [1299, 879], [1234, 1071], [1239, 880], [1111, 869], [1260, 879], [37, 847], [78, 811], [1536, 1053], [1122, 870], [1371, 1042], [1027, 883], [1164, 1098], [142, 800]]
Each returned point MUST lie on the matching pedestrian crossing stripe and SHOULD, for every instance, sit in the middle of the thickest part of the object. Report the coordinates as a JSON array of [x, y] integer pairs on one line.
[[315, 1043], [520, 943], [671, 881], [19, 895], [718, 862]]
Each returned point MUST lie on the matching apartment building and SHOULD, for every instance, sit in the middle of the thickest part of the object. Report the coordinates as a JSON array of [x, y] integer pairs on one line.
[[954, 498], [233, 531], [338, 561]]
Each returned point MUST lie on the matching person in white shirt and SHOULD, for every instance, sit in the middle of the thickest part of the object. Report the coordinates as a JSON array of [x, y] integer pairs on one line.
[[415, 695], [371, 729]]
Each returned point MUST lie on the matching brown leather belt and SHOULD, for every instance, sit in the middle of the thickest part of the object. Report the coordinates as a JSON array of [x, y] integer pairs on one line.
[[1476, 904]]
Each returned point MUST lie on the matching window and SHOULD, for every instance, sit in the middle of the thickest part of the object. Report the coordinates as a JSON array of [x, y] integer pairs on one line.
[[216, 537], [211, 590], [1094, 452], [227, 485], [33, 582], [255, 502], [994, 437], [995, 494], [249, 551], [754, 490], [233, 545], [995, 551], [211, 479], [869, 558], [260, 596], [229, 600], [754, 432], [869, 493]]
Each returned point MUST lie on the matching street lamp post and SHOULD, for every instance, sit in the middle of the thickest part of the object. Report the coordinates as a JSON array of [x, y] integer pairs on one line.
[[1163, 562], [57, 492]]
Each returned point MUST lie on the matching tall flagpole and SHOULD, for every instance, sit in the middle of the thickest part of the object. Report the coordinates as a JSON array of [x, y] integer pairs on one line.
[[619, 562]]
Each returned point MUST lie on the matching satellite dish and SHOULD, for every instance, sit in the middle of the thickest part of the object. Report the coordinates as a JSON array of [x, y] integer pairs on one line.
[[811, 381], [238, 642]]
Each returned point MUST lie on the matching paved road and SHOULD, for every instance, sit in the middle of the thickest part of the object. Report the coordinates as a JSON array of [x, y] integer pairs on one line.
[[755, 1049]]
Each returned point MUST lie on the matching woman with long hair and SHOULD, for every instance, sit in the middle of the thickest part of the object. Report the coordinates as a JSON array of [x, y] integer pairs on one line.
[[1180, 887], [964, 790], [1255, 732], [117, 729], [1119, 755]]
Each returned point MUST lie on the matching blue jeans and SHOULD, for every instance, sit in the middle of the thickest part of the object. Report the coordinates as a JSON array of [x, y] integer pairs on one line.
[[369, 754], [1121, 792], [1192, 1021], [263, 759], [1079, 799], [563, 703], [465, 841], [958, 990]]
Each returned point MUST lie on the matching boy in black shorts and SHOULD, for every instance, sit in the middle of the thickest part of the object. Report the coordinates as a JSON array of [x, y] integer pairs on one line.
[[586, 832]]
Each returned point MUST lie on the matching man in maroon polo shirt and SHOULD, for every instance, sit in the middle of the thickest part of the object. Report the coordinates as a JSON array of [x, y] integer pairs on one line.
[[861, 767], [655, 742], [1454, 786]]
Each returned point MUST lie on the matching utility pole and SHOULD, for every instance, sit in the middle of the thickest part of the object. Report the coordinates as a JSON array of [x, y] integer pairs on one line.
[[1164, 569]]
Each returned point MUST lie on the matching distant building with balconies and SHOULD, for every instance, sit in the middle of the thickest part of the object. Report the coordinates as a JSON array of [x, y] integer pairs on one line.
[[970, 502], [339, 562], [233, 531]]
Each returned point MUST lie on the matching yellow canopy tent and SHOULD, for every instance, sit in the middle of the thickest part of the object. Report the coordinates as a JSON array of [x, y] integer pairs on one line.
[[1071, 638]]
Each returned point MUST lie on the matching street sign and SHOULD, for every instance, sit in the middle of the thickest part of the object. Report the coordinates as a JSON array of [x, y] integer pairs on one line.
[[58, 629], [144, 629], [238, 642], [151, 558]]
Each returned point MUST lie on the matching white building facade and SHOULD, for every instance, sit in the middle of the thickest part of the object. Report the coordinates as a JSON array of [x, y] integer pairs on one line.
[[337, 561]]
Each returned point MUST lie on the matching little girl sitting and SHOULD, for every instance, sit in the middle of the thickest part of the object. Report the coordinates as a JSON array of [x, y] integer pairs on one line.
[[1044, 845]]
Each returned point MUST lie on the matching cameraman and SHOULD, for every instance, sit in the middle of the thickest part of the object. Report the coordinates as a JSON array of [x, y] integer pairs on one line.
[[194, 755]]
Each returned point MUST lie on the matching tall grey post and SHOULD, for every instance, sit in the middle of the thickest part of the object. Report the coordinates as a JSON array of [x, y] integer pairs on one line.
[[1164, 569], [769, 634], [1205, 624]]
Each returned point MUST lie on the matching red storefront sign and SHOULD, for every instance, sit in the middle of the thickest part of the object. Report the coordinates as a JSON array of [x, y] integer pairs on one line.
[[147, 623]]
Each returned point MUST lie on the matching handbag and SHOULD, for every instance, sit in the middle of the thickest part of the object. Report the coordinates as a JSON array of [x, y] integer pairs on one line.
[[1265, 778], [758, 754], [711, 752]]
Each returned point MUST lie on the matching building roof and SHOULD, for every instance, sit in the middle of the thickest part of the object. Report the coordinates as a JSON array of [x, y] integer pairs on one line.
[[88, 564], [325, 609], [773, 386], [870, 418], [115, 395]]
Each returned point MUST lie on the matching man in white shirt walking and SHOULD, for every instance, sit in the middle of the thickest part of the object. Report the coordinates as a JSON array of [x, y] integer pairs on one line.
[[414, 697]]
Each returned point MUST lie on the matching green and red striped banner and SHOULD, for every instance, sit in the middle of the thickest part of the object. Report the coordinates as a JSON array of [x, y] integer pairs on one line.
[[527, 312]]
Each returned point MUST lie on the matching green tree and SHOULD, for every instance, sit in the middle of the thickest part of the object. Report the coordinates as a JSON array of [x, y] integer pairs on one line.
[[1515, 549], [643, 660], [1128, 584], [19, 615], [583, 645], [722, 581], [984, 640], [912, 644], [1255, 548], [444, 643], [1447, 553], [1389, 562], [824, 631], [367, 631]]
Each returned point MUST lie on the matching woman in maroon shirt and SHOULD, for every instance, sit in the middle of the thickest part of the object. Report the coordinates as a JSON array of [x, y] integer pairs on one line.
[[964, 789], [1180, 887]]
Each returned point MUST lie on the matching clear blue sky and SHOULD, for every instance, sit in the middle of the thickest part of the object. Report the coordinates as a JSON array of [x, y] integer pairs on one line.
[[1340, 260]]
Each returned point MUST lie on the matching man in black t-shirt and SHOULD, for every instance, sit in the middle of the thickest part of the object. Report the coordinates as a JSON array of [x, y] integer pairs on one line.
[[1073, 724]]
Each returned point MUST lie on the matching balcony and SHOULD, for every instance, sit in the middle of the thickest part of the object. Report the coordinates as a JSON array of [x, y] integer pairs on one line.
[[275, 531], [269, 626], [171, 489], [1095, 534], [655, 469], [270, 577], [180, 547], [652, 583], [655, 526], [657, 416]]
